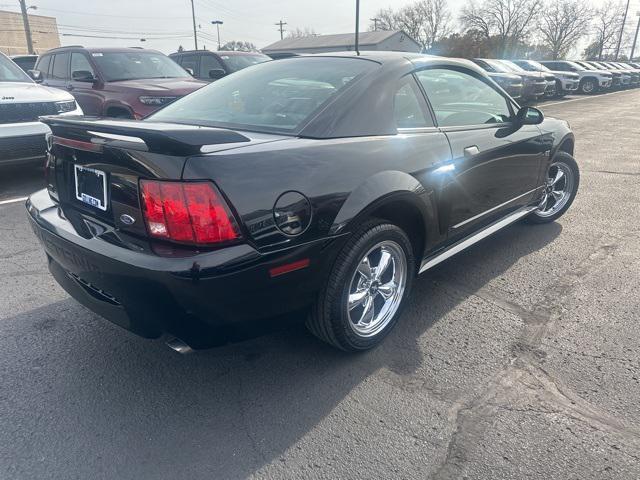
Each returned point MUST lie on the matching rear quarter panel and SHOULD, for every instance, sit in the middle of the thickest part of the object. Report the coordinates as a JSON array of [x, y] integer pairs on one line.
[[340, 177]]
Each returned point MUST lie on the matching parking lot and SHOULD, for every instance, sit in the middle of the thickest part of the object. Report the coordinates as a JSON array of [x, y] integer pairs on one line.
[[517, 358]]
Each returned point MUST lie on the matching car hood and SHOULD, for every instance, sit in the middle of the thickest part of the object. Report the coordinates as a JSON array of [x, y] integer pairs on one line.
[[532, 75], [505, 76], [23, 92], [161, 86], [566, 74]]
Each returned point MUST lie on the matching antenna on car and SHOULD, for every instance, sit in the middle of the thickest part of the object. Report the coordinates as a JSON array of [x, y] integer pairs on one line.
[[357, 46]]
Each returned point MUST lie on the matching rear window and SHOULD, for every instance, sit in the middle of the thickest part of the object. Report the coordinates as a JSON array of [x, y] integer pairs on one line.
[[238, 62], [272, 96]]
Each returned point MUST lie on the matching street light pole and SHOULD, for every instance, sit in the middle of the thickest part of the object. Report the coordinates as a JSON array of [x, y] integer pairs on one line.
[[624, 20], [195, 32], [357, 45], [217, 23], [635, 38], [27, 27]]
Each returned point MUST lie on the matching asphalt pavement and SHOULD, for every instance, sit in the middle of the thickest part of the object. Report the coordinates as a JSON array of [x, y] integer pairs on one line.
[[518, 358]]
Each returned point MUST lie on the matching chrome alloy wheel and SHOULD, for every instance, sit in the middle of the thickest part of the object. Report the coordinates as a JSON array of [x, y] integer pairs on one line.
[[376, 289], [557, 190]]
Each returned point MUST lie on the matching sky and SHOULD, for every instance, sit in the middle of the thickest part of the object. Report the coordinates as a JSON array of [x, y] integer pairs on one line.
[[248, 20], [167, 24]]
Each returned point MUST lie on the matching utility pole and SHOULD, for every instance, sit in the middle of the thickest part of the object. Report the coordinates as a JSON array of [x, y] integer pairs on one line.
[[357, 45], [195, 32], [624, 20], [27, 27], [635, 38], [281, 24], [375, 23]]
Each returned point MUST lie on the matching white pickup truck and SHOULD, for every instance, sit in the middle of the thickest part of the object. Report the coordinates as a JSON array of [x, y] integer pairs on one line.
[[22, 101]]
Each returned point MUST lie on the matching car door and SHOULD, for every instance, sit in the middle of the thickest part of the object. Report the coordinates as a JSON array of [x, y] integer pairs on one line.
[[191, 64], [209, 62], [58, 71], [85, 92], [496, 162]]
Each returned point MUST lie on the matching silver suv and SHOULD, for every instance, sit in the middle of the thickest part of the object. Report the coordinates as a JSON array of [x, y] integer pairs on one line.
[[22, 101], [591, 81]]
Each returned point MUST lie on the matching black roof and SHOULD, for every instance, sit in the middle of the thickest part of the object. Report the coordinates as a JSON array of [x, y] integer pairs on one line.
[[232, 53]]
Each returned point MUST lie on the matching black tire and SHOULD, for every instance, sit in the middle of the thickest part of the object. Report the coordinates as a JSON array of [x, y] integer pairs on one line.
[[329, 320], [588, 86], [563, 158]]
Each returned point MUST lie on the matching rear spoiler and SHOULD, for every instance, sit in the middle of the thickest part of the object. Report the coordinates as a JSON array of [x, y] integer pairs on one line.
[[156, 137]]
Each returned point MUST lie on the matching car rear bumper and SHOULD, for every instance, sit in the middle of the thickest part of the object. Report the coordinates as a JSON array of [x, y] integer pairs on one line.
[[205, 298]]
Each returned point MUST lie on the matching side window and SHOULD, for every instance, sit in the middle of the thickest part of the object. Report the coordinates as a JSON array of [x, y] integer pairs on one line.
[[407, 109], [60, 67], [460, 99], [43, 66], [80, 63], [190, 62], [207, 63]]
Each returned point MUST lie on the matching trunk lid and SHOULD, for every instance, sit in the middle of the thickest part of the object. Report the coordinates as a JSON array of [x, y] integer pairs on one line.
[[94, 159]]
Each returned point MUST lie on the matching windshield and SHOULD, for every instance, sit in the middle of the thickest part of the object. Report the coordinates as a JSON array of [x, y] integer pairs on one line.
[[538, 66], [511, 66], [579, 68], [497, 66], [238, 62], [116, 66], [10, 72], [587, 66], [273, 96]]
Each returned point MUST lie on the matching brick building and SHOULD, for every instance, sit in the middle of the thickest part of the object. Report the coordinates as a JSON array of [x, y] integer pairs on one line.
[[44, 32]]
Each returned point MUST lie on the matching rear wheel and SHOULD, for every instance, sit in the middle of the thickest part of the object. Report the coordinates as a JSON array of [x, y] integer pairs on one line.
[[366, 289], [561, 187]]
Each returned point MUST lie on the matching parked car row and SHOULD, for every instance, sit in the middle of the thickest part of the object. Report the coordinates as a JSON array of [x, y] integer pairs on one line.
[[531, 80]]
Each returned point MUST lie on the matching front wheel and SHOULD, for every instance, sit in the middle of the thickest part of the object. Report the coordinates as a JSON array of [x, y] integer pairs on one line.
[[366, 288], [560, 189], [588, 86]]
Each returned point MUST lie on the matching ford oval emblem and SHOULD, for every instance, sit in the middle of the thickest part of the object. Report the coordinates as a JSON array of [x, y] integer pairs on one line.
[[127, 219]]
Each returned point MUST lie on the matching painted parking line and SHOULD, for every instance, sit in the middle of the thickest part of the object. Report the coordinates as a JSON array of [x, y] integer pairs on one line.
[[13, 200], [594, 97]]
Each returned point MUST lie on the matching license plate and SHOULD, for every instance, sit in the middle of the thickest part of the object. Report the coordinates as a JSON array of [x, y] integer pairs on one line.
[[91, 186]]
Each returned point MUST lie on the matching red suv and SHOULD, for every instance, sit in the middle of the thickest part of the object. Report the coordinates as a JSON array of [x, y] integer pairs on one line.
[[115, 82]]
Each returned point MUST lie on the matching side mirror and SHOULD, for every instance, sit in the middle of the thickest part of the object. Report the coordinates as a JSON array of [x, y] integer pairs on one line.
[[217, 73], [83, 76], [529, 116], [189, 71], [36, 75]]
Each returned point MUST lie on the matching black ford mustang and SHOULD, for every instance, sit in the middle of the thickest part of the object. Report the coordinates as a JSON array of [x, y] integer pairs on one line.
[[318, 184]]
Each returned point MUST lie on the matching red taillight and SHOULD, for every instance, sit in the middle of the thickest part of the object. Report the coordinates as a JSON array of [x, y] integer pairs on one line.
[[187, 212]]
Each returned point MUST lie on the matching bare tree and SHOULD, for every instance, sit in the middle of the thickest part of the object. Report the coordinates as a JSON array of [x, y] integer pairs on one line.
[[239, 46], [562, 24], [301, 33], [509, 21], [606, 26], [425, 21]]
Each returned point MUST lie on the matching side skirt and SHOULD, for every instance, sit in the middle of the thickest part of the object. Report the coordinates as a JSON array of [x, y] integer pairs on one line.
[[475, 238]]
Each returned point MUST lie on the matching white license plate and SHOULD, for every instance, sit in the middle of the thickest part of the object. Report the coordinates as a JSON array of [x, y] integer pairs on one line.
[[91, 186]]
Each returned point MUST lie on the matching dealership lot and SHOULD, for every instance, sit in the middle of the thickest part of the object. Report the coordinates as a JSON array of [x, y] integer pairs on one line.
[[517, 358]]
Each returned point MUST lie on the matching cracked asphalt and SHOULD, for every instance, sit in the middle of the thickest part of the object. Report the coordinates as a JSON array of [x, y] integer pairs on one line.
[[518, 358]]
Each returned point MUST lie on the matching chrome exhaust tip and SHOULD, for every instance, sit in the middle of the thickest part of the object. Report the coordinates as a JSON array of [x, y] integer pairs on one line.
[[179, 346]]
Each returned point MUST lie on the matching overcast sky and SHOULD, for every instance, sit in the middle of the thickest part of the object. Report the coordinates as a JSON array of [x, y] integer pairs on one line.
[[250, 20]]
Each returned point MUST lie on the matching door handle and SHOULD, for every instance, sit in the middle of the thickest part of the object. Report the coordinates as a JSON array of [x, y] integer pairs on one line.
[[471, 151]]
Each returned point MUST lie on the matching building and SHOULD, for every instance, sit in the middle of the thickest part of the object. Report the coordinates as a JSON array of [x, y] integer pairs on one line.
[[13, 41], [396, 41]]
